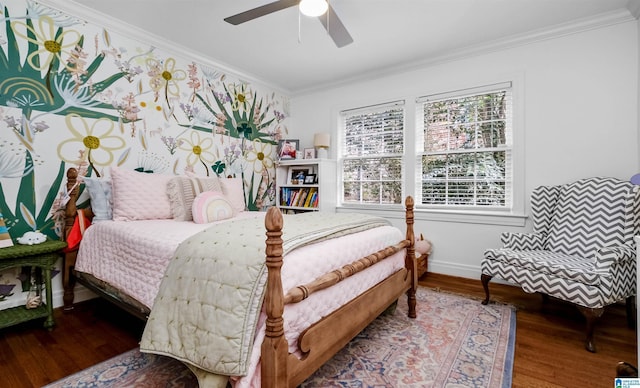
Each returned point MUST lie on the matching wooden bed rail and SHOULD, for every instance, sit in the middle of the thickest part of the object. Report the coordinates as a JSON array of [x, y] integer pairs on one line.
[[302, 292]]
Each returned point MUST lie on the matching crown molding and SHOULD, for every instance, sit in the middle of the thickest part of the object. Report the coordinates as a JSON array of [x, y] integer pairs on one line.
[[561, 30], [108, 22], [81, 11], [634, 8]]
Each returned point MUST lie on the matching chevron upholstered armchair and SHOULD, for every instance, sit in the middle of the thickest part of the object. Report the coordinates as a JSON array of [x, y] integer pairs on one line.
[[581, 249]]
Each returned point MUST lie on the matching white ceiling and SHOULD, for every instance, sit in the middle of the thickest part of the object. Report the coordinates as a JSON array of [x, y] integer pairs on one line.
[[388, 34]]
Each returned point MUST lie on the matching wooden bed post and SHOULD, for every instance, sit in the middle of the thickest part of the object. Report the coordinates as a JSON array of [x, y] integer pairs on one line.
[[68, 281], [410, 258], [275, 350]]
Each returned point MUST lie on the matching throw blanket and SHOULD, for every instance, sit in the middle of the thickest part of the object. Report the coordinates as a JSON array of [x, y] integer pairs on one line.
[[210, 299]]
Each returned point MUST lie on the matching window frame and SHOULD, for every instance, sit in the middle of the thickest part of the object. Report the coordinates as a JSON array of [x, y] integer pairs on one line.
[[344, 116], [460, 152], [515, 217]]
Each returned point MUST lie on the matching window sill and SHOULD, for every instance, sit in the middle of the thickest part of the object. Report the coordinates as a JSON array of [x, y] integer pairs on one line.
[[458, 216]]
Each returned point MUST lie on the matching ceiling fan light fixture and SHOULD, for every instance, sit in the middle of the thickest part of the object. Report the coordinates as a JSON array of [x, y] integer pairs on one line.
[[313, 8]]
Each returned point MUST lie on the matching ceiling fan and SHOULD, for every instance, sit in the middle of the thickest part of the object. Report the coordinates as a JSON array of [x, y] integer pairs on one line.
[[326, 15]]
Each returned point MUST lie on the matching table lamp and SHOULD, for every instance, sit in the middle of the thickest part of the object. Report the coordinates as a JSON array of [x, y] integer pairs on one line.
[[322, 141]]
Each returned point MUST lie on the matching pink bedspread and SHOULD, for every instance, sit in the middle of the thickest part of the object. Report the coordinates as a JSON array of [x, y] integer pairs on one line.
[[133, 255]]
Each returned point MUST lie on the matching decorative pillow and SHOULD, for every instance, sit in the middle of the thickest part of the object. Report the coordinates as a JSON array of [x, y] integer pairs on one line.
[[211, 206], [182, 190], [233, 189], [139, 196], [101, 201]]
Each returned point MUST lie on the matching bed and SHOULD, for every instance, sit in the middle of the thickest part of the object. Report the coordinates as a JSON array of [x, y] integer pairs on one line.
[[278, 360]]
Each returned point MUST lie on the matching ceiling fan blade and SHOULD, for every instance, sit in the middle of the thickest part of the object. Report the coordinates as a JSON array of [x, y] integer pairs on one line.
[[260, 11], [335, 28]]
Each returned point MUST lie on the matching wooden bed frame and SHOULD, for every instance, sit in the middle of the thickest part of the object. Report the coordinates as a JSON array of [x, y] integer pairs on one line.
[[319, 342]]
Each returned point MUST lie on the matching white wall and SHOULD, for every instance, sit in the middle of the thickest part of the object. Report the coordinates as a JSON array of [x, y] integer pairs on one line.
[[578, 110]]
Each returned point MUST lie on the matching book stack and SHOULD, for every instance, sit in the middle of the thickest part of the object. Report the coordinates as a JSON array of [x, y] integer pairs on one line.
[[305, 197]]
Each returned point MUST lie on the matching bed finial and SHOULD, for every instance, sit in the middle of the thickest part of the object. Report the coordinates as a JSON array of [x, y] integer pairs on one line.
[[274, 347], [410, 258]]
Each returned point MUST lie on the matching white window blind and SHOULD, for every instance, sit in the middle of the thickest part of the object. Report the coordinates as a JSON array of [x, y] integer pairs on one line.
[[465, 156], [372, 154]]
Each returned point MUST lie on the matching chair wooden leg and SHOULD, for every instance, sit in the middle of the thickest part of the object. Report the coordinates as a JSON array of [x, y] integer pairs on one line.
[[591, 314], [485, 284], [624, 369], [631, 312]]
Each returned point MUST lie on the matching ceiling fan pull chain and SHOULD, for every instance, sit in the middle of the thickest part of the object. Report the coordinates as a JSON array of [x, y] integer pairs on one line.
[[299, 24], [328, 16]]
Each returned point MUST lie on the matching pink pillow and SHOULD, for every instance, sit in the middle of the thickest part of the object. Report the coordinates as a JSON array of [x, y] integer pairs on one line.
[[210, 206], [139, 196], [233, 189]]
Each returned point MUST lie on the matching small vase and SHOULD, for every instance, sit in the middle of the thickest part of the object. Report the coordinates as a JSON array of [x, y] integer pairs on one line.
[[34, 297]]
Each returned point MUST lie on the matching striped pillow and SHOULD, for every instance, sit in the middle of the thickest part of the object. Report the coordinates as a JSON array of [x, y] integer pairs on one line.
[[211, 206], [182, 190]]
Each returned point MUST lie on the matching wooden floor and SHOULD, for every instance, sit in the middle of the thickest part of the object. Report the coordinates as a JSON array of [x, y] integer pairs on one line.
[[549, 340]]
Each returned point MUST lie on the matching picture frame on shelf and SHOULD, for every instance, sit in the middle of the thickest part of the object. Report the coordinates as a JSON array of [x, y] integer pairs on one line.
[[309, 179], [287, 148], [309, 153], [297, 174]]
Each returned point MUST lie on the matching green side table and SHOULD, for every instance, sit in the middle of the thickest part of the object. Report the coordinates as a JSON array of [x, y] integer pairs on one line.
[[42, 255]]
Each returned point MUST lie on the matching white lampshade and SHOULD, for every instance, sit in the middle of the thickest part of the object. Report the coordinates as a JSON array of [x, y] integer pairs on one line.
[[313, 7], [321, 140]]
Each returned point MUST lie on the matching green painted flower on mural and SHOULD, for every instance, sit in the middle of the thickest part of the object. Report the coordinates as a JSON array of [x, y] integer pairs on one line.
[[238, 113], [218, 167]]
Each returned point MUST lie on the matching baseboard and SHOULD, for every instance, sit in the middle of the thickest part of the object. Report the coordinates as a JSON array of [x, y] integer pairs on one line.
[[459, 270], [81, 294]]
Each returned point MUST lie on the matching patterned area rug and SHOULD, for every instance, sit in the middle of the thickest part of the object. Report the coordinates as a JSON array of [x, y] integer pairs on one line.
[[454, 342]]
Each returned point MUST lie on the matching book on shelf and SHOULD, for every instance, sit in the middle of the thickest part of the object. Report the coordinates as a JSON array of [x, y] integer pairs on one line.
[[310, 195], [302, 197]]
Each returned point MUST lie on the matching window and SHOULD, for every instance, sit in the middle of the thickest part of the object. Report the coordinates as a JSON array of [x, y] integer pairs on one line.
[[465, 157], [372, 154]]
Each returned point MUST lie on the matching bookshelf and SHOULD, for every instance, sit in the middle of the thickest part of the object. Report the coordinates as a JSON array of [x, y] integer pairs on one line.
[[317, 193]]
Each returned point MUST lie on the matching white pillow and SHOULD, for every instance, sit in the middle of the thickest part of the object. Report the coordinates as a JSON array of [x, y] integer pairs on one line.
[[233, 189], [101, 201], [139, 196], [211, 206]]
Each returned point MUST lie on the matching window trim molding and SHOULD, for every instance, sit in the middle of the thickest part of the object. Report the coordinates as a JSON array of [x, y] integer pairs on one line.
[[391, 104], [516, 82], [421, 132], [373, 107], [514, 219]]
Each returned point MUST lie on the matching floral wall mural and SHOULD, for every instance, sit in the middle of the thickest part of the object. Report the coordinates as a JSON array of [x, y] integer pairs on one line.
[[76, 95]]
